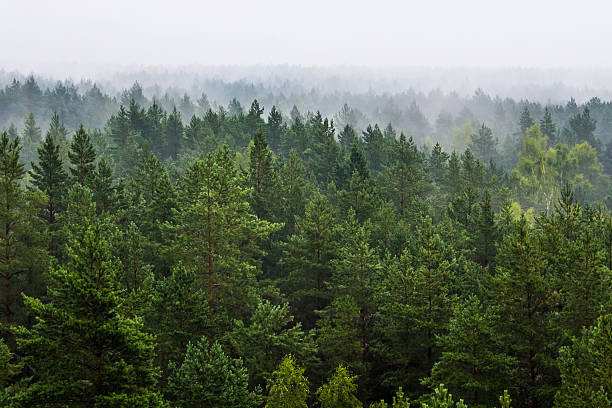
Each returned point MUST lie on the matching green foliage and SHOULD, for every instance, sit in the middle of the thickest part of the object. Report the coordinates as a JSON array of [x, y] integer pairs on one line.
[[81, 349], [207, 377], [287, 387], [441, 398], [82, 155], [340, 391], [271, 335], [586, 368]]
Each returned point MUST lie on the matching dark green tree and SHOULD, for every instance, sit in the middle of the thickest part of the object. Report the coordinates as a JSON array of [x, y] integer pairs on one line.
[[82, 350], [82, 156], [207, 377]]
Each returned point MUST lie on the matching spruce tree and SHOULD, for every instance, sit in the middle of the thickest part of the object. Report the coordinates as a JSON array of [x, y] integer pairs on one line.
[[82, 155]]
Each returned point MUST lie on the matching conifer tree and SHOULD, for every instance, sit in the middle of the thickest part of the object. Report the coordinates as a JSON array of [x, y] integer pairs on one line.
[[586, 368], [21, 240], [207, 377], [262, 177], [31, 137], [83, 351], [82, 155], [308, 259], [526, 302], [217, 234], [525, 121], [547, 126], [49, 177], [472, 364], [483, 144], [173, 134]]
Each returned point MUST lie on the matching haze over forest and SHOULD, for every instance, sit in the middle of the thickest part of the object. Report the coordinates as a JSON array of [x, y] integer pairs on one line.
[[324, 204]]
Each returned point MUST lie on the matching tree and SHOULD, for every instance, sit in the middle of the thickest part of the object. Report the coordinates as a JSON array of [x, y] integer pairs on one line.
[[526, 303], [547, 126], [82, 156], [346, 329], [525, 121], [340, 391], [31, 137], [178, 314], [307, 259], [271, 334], [437, 163], [217, 233], [103, 186], [275, 127], [472, 364], [441, 398], [83, 351], [262, 177], [483, 144], [173, 134], [21, 240], [583, 128], [50, 178], [287, 387], [586, 368], [207, 377]]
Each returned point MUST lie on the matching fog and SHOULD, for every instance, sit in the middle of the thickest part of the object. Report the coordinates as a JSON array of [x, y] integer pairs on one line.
[[86, 38]]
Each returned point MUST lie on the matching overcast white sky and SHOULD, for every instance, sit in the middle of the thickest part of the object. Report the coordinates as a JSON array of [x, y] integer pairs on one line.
[[51, 36]]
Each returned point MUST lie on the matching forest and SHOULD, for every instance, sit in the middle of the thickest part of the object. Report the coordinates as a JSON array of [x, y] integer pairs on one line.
[[303, 250]]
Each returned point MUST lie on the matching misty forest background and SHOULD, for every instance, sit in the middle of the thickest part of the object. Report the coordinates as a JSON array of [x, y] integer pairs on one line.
[[240, 244]]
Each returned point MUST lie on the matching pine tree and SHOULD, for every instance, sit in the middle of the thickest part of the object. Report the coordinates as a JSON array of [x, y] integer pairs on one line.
[[354, 277], [50, 178], [218, 235], [31, 137], [103, 188], [452, 180], [308, 260], [271, 334], [83, 351], [287, 387], [275, 128], [472, 363], [173, 134], [583, 128], [438, 162], [82, 155], [586, 368], [525, 121], [178, 314], [21, 240], [547, 126], [208, 377], [483, 144], [526, 302], [262, 177]]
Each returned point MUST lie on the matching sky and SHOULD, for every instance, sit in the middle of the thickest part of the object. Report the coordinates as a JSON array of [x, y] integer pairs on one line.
[[63, 36]]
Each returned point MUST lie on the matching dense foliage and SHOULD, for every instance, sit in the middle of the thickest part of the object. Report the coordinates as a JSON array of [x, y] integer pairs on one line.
[[227, 258]]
